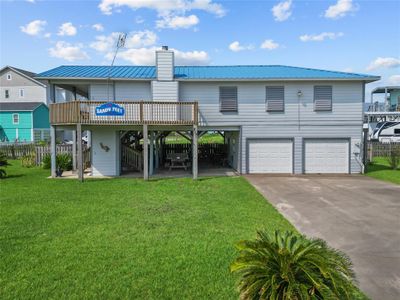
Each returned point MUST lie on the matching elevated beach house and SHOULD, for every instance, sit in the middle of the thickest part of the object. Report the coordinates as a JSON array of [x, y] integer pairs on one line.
[[274, 119]]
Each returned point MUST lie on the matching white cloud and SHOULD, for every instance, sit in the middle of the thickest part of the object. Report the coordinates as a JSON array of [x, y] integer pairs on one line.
[[282, 10], [34, 27], [68, 52], [98, 27], [177, 22], [164, 7], [348, 70], [47, 35], [145, 56], [236, 47], [269, 45], [320, 37], [394, 79], [31, 1], [340, 9], [136, 39], [67, 29], [384, 62], [191, 57]]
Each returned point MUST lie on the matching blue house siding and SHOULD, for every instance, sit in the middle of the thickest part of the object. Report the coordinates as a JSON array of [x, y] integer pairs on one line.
[[10, 130], [41, 117]]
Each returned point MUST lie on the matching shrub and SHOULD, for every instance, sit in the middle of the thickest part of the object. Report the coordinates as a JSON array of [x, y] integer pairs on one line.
[[46, 161], [393, 158], [64, 161], [28, 160], [3, 163], [288, 266]]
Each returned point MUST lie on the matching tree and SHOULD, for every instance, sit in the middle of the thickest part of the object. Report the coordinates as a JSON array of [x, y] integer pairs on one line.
[[290, 266]]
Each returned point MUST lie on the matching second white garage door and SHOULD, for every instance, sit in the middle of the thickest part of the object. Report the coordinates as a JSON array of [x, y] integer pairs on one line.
[[326, 156], [271, 156]]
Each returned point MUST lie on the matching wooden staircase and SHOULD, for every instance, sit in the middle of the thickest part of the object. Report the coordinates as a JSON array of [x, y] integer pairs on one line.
[[132, 160]]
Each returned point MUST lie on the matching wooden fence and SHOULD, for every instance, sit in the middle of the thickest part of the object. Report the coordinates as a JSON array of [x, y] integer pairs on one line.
[[16, 151], [376, 149], [206, 151]]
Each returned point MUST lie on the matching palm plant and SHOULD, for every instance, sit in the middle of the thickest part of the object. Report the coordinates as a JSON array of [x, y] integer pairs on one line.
[[289, 266], [3, 163]]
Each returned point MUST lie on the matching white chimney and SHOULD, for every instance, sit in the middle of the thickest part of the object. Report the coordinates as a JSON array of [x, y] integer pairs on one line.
[[165, 64], [165, 88]]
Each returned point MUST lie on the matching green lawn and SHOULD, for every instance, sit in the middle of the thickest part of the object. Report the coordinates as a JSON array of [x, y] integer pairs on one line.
[[379, 169], [124, 238], [208, 138]]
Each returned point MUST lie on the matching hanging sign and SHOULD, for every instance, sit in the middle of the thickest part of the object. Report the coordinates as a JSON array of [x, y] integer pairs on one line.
[[110, 109]]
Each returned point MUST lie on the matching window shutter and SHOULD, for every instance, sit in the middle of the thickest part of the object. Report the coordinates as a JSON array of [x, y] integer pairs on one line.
[[323, 98], [275, 97], [228, 98]]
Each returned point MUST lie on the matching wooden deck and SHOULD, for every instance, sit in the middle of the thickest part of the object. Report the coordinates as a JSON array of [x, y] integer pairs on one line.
[[135, 113]]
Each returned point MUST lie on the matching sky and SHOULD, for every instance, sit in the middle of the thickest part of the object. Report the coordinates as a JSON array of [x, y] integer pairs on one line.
[[344, 35]]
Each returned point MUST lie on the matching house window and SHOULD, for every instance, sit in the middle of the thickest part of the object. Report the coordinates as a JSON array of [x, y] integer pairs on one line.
[[9, 76], [275, 98], [322, 98], [228, 99], [6, 94], [15, 118], [21, 93]]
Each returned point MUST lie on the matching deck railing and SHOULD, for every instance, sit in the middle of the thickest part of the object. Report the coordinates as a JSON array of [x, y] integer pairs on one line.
[[135, 113]]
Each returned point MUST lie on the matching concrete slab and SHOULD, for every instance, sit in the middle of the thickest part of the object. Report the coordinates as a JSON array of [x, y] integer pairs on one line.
[[356, 214]]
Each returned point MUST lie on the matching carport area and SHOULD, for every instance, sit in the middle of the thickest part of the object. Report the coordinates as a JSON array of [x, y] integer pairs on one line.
[[356, 214]]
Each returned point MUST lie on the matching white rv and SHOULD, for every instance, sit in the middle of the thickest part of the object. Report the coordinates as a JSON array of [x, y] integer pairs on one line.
[[387, 132]]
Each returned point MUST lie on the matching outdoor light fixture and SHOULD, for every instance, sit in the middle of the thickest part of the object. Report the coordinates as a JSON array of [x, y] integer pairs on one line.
[[299, 93]]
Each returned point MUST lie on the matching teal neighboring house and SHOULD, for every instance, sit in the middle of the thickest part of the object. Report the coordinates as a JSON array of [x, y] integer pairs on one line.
[[24, 122]]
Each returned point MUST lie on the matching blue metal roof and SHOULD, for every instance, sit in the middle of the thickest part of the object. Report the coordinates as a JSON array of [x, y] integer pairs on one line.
[[256, 72]]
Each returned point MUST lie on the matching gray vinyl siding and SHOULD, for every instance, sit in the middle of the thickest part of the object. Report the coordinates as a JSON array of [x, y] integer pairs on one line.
[[165, 90], [105, 162], [124, 91], [298, 155], [33, 92], [346, 104], [137, 91]]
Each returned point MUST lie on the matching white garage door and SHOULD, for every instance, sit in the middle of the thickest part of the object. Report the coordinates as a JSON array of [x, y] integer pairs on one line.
[[327, 156], [271, 156]]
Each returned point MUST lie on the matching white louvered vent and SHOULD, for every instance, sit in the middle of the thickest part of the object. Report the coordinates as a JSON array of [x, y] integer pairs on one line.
[[228, 98], [275, 98], [323, 98]]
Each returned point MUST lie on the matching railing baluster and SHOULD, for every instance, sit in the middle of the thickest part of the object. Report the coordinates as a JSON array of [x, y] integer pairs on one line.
[[163, 113]]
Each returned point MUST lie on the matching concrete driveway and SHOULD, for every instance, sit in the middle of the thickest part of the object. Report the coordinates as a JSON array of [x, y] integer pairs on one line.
[[356, 214]]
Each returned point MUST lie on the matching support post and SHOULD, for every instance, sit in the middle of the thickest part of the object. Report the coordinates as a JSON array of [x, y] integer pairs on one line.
[[74, 161], [145, 152], [365, 148], [157, 160], [80, 154], [151, 168], [194, 152], [53, 150]]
